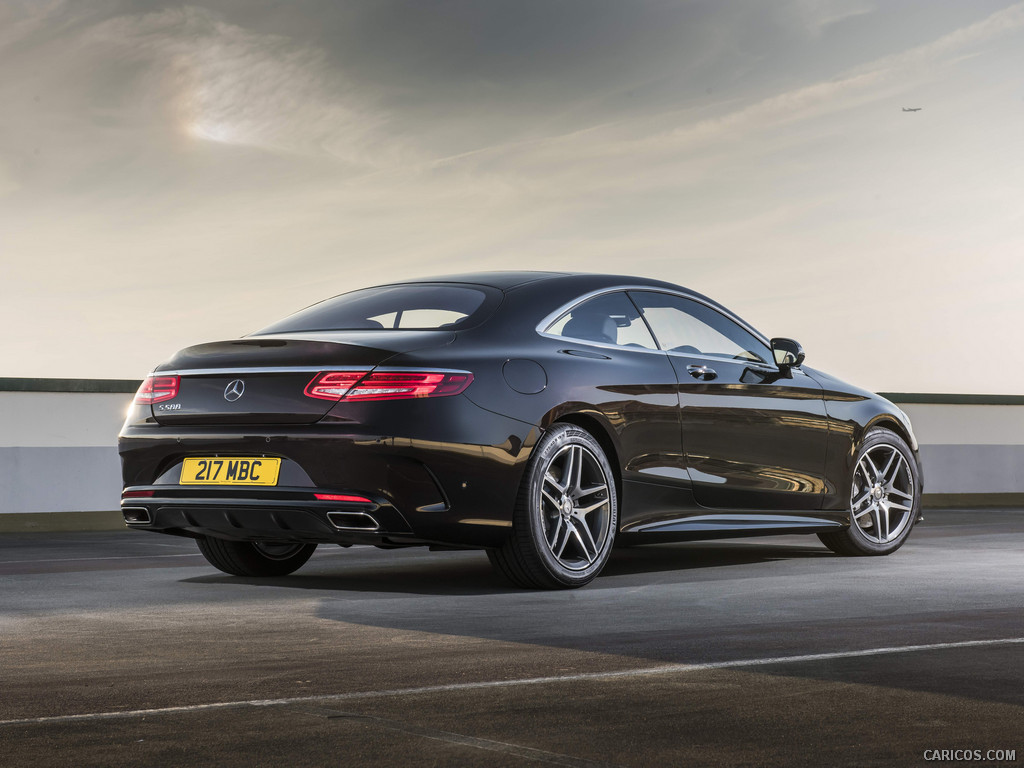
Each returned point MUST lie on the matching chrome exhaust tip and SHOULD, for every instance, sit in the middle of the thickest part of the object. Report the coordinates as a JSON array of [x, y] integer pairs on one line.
[[353, 521], [136, 515]]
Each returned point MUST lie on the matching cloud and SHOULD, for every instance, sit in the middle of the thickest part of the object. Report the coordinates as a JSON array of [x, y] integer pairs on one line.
[[815, 16], [874, 81], [22, 19], [234, 86], [182, 174], [990, 28], [640, 143]]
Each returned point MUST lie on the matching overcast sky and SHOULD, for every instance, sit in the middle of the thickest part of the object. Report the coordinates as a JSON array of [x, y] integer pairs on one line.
[[172, 174]]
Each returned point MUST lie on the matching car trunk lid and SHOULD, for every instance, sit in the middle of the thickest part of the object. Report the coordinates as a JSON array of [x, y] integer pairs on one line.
[[262, 380]]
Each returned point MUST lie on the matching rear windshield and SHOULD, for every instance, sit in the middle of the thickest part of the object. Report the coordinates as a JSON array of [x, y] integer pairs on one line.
[[406, 307]]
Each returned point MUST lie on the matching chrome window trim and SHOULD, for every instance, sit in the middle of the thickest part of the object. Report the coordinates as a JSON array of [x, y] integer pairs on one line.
[[569, 306]]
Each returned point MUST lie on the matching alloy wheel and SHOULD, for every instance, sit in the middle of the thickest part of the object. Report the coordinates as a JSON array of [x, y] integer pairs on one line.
[[575, 507], [882, 496]]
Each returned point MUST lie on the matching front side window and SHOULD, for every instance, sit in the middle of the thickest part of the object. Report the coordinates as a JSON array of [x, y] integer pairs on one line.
[[608, 319], [411, 307], [687, 326]]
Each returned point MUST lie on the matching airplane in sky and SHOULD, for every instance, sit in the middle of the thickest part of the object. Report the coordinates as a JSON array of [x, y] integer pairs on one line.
[[912, 109]]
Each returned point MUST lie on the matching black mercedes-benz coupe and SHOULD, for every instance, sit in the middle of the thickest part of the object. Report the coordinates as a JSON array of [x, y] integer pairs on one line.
[[541, 416]]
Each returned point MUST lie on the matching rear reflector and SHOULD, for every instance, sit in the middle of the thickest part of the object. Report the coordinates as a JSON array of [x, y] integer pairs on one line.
[[343, 497], [137, 494], [386, 385], [156, 389]]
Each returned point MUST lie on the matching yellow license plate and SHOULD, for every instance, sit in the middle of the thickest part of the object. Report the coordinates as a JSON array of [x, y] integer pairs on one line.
[[230, 471]]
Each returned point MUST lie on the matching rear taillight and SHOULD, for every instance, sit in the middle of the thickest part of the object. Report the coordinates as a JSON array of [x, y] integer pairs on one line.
[[156, 389], [333, 385], [400, 385], [386, 385]]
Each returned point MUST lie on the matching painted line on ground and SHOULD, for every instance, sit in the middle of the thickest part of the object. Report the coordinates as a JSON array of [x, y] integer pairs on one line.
[[461, 739], [666, 669], [143, 556], [90, 559]]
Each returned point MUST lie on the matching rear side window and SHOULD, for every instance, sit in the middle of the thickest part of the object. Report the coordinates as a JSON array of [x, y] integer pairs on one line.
[[608, 319], [394, 307]]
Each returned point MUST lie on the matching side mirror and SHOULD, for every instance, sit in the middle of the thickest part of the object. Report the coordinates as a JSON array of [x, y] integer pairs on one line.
[[788, 353]]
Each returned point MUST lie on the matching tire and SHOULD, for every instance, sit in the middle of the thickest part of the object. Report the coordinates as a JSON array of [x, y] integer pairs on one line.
[[254, 558], [566, 514], [885, 497]]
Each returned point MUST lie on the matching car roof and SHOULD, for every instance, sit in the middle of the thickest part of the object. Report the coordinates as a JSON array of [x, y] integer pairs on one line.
[[507, 280], [562, 284], [503, 280]]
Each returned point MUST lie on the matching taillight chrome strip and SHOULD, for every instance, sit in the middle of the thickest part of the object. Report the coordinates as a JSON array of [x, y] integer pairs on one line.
[[300, 369], [267, 369], [405, 369]]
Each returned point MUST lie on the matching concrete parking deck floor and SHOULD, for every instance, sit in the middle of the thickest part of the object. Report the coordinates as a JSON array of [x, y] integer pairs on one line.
[[128, 649]]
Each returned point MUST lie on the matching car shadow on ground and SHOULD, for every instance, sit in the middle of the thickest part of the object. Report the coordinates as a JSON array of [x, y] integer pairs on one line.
[[652, 558], [470, 573]]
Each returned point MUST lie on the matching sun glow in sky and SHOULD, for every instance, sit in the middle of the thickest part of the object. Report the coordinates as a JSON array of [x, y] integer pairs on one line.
[[171, 174]]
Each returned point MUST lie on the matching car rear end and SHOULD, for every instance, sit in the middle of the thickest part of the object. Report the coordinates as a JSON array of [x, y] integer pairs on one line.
[[321, 436]]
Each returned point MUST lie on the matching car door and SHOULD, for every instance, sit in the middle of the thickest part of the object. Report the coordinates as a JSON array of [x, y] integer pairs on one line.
[[609, 363], [754, 438]]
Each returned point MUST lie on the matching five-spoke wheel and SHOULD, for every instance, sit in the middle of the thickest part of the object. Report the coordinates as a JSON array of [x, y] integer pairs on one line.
[[882, 494], [575, 506], [566, 514], [885, 497]]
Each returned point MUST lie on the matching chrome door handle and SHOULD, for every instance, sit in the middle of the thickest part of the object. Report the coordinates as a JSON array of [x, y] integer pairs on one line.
[[701, 372]]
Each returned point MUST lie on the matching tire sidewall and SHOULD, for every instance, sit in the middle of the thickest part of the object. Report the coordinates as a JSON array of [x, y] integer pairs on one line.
[[873, 438], [550, 445], [243, 558]]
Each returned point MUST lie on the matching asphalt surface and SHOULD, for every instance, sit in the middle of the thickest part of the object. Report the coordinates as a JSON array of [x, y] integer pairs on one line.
[[127, 649]]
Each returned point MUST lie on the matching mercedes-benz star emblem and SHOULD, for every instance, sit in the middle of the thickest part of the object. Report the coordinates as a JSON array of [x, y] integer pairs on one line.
[[234, 390]]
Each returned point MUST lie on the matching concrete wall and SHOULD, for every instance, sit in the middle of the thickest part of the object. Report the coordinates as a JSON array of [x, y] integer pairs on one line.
[[58, 445], [970, 448], [58, 449]]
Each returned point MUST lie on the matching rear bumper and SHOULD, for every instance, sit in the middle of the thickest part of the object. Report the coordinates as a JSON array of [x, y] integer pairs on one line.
[[452, 480], [270, 519]]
